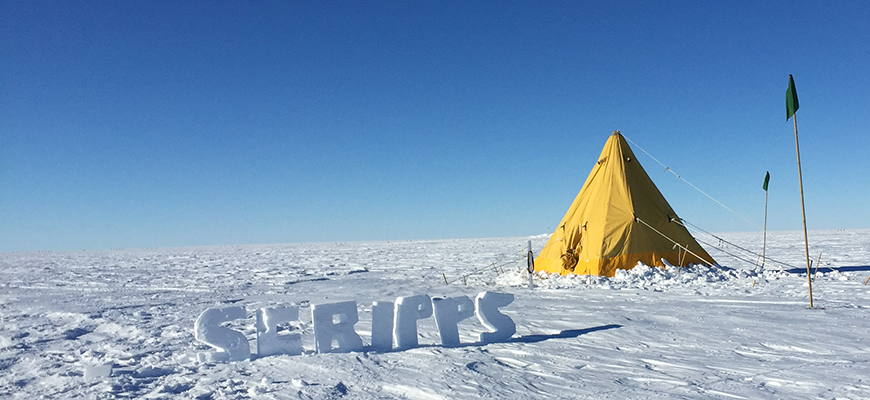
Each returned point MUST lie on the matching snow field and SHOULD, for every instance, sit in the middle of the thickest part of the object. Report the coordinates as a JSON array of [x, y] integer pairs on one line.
[[698, 332]]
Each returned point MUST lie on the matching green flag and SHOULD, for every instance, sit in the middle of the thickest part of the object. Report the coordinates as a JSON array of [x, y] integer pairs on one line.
[[791, 102], [766, 179]]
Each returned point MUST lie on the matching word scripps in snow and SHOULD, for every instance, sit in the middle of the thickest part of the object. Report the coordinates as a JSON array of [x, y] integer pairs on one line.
[[334, 325]]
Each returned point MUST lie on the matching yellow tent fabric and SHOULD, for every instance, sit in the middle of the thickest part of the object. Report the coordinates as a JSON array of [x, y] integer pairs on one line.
[[606, 227]]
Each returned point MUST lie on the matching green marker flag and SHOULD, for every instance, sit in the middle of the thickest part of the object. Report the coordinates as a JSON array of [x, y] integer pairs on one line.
[[766, 179], [791, 101]]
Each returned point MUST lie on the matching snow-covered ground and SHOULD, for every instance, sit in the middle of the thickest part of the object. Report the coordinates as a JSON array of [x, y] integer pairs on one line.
[[68, 318]]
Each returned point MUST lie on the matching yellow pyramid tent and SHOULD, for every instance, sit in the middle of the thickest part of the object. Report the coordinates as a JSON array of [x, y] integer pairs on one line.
[[618, 218]]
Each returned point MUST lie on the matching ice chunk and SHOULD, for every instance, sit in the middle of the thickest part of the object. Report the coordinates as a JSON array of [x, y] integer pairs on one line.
[[231, 345], [269, 342], [152, 372], [407, 311], [382, 325], [501, 326], [334, 322], [96, 372], [448, 313]]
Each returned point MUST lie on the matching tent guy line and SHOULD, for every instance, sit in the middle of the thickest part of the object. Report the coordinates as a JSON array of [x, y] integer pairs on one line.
[[676, 244], [690, 184], [696, 227]]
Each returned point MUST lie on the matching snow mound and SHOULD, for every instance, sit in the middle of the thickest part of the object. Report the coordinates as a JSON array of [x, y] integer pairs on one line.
[[644, 277]]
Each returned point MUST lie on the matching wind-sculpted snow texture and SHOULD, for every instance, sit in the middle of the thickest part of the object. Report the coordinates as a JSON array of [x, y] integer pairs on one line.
[[125, 321]]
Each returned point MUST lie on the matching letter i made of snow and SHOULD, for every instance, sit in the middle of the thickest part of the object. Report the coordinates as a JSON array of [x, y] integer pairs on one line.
[[382, 325]]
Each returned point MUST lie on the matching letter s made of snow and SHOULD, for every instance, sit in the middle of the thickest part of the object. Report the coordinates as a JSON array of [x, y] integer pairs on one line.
[[501, 326], [231, 345]]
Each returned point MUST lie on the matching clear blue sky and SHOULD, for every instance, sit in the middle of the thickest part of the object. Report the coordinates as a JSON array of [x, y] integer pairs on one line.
[[165, 123]]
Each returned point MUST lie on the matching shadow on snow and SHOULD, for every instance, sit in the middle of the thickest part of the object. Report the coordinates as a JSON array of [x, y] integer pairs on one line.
[[862, 268], [566, 334]]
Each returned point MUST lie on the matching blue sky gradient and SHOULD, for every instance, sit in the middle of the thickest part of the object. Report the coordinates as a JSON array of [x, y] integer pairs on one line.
[[155, 124]]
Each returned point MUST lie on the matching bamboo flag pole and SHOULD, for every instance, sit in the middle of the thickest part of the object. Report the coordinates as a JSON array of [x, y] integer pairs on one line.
[[791, 106], [764, 240]]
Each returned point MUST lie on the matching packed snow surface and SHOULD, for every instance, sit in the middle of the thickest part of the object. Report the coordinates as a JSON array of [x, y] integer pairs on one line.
[[120, 324]]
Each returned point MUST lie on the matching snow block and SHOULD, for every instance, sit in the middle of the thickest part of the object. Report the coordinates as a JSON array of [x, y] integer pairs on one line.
[[97, 372], [334, 322], [449, 313], [407, 311], [269, 342], [501, 326], [230, 345], [382, 325]]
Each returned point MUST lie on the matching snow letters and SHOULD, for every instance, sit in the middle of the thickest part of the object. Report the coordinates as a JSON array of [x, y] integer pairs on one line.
[[333, 323]]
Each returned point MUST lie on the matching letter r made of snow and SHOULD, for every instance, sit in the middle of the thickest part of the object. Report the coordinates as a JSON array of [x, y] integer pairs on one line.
[[334, 322]]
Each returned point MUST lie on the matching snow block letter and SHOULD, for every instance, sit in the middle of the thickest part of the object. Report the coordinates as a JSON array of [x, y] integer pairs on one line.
[[448, 313], [334, 322], [408, 311], [501, 326], [269, 342], [230, 345], [382, 325]]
